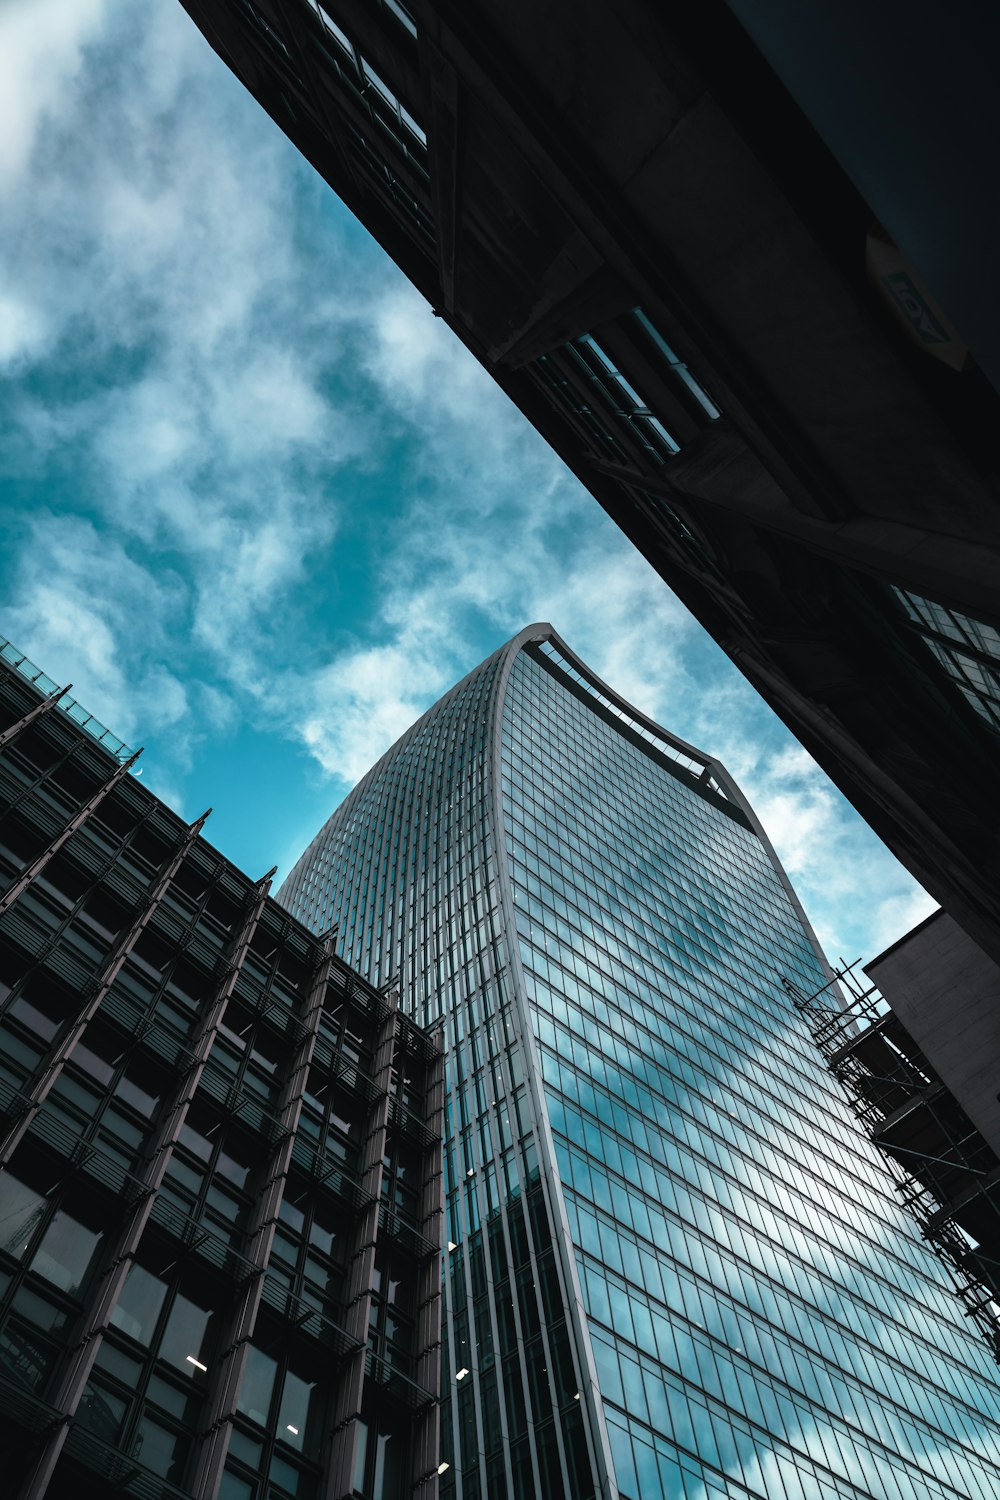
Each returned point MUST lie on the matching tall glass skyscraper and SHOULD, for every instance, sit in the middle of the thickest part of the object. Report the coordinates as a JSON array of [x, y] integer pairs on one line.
[[675, 1267]]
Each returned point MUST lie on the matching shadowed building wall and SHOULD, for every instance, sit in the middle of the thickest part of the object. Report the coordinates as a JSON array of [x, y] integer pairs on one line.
[[220, 1160]]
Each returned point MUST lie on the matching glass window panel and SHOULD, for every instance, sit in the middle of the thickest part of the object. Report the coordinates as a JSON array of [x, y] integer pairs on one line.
[[179, 1403], [66, 1252], [40, 1024], [254, 1399], [25, 1357], [360, 1457], [159, 1449], [40, 1311], [294, 1412], [138, 1307], [118, 1363], [140, 1099], [245, 1448], [388, 1466], [102, 1411], [21, 1211], [185, 1335], [233, 1487], [83, 1057]]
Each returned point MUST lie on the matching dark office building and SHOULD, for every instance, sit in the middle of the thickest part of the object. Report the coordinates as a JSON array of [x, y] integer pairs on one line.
[[626, 218], [676, 1267], [220, 1161]]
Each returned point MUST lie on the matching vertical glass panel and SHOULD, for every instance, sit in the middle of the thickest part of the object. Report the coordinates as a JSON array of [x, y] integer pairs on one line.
[[21, 1211], [185, 1336], [234, 1488], [160, 1449], [361, 1456], [388, 1468], [139, 1305], [102, 1412], [254, 1399], [294, 1411], [24, 1356], [65, 1253]]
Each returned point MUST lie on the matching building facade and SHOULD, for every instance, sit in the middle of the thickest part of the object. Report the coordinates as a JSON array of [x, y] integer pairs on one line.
[[220, 1160], [675, 1266], [626, 218]]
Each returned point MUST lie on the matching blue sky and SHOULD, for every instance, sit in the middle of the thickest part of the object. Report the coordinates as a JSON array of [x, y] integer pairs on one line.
[[261, 507]]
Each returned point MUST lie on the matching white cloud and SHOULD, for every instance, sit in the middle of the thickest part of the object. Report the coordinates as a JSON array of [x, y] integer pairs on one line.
[[421, 365], [212, 443], [23, 330], [42, 45], [364, 702], [895, 914], [88, 614]]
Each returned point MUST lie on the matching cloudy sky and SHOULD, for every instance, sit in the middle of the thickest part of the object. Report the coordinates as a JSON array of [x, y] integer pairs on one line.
[[254, 493]]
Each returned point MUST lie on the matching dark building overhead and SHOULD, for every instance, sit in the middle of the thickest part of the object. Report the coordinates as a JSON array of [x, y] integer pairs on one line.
[[627, 219], [905, 96]]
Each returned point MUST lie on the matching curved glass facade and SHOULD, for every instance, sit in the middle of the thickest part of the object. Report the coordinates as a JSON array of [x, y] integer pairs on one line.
[[675, 1267]]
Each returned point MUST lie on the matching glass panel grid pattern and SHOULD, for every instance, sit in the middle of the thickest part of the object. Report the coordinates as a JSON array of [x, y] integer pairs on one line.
[[635, 1118], [762, 1315], [621, 397]]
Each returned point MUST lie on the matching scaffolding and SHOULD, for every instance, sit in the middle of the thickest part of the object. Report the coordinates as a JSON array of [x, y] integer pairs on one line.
[[947, 1175]]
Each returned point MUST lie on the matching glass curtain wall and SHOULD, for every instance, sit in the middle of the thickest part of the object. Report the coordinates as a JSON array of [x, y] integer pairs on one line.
[[675, 1267]]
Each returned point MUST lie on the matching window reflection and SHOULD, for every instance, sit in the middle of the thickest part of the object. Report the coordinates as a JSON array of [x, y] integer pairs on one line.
[[21, 1210], [138, 1306], [65, 1253], [254, 1399], [185, 1336], [752, 1294]]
